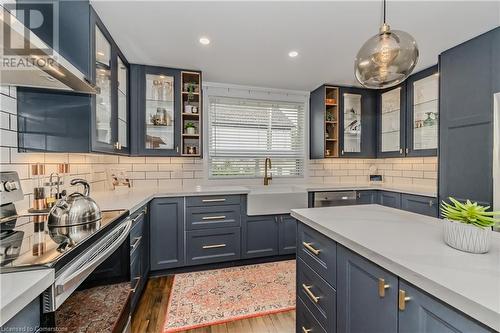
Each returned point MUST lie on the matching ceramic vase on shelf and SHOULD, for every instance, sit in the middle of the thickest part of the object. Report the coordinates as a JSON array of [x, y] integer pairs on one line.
[[191, 130], [466, 237]]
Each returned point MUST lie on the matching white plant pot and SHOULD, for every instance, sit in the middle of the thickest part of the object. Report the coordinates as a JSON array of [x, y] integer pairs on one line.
[[191, 130], [466, 237]]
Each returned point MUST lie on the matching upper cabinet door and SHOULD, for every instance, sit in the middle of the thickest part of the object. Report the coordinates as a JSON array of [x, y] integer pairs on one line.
[[123, 104], [110, 105], [357, 119], [392, 122], [423, 113], [159, 112], [104, 137]]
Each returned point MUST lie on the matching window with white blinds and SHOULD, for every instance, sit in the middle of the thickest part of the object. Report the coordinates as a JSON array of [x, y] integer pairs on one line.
[[243, 132]]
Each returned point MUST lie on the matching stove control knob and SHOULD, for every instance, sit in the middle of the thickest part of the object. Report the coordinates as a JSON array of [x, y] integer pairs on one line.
[[10, 186]]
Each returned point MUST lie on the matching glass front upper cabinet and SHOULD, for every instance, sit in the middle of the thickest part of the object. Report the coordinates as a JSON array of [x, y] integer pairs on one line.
[[159, 113], [424, 115], [390, 122], [352, 123], [104, 119], [122, 89]]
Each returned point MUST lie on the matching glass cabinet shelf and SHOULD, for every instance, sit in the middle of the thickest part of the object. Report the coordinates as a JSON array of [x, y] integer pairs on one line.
[[425, 120], [390, 122], [160, 116]]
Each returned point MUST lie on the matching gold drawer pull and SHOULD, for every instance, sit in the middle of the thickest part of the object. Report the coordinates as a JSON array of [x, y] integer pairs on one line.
[[402, 300], [213, 246], [309, 293], [138, 280], [221, 217], [213, 200], [310, 248], [305, 330], [382, 286]]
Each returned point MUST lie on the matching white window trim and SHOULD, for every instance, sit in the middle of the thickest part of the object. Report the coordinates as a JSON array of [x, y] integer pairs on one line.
[[252, 92]]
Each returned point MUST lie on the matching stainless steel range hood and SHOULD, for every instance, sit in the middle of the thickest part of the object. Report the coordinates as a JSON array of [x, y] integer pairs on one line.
[[44, 68]]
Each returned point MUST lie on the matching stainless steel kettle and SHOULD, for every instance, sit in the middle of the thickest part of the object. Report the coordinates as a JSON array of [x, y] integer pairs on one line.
[[76, 208], [75, 217]]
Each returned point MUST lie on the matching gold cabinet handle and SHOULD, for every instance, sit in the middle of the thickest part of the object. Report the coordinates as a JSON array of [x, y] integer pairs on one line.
[[310, 248], [213, 200], [138, 280], [402, 299], [309, 293], [213, 246], [221, 217], [306, 330], [382, 286]]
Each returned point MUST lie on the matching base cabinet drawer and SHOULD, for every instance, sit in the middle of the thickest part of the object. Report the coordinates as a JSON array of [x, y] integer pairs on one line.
[[213, 217], [420, 204], [213, 200], [319, 252], [212, 245], [305, 322], [318, 296], [390, 199]]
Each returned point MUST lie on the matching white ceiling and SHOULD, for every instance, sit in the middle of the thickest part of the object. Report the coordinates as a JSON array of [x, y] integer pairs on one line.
[[250, 41]]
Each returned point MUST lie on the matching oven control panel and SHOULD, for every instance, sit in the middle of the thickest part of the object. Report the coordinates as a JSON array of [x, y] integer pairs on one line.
[[10, 187]]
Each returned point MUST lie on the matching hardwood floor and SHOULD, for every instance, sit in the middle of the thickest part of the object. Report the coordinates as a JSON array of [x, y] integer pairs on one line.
[[152, 307]]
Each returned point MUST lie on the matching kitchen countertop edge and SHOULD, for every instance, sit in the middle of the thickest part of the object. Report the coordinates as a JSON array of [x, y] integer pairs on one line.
[[35, 283]]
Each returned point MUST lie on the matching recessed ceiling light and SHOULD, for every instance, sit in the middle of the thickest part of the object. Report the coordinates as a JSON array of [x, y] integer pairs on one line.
[[293, 54], [204, 40]]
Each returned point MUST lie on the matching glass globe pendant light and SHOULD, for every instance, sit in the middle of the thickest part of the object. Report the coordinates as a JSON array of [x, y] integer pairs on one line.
[[387, 58]]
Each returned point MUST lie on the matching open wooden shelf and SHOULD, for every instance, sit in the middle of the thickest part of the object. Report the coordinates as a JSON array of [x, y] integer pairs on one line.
[[192, 99], [331, 126]]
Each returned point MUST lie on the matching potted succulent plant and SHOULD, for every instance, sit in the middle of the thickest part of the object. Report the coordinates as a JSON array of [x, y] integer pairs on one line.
[[468, 226], [190, 128]]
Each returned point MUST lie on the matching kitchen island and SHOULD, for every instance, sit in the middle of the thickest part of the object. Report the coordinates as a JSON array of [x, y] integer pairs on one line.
[[403, 255]]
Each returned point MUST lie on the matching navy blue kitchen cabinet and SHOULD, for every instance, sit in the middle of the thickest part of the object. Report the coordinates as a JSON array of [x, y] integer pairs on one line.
[[367, 295], [317, 123], [287, 242], [352, 128], [317, 295], [206, 246], [53, 121], [318, 252], [161, 106], [260, 236], [419, 204], [469, 76], [367, 197], [305, 320], [390, 199], [157, 91], [268, 235], [358, 121], [27, 320], [392, 122], [139, 254], [166, 233], [423, 313], [422, 104]]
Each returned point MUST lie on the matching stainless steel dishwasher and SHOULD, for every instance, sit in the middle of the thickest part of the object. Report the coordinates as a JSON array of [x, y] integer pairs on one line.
[[342, 198]]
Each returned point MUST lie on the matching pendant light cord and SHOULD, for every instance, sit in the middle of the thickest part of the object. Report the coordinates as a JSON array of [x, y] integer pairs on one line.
[[384, 10]]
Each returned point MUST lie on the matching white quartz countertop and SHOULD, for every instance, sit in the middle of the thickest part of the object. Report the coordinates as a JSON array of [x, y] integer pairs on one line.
[[411, 246], [133, 198], [18, 289]]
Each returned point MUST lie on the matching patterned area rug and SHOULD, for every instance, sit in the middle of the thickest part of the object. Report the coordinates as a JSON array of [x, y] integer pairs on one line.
[[212, 297]]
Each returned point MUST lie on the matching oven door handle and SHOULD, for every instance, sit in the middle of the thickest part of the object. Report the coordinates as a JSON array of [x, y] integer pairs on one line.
[[83, 267]]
